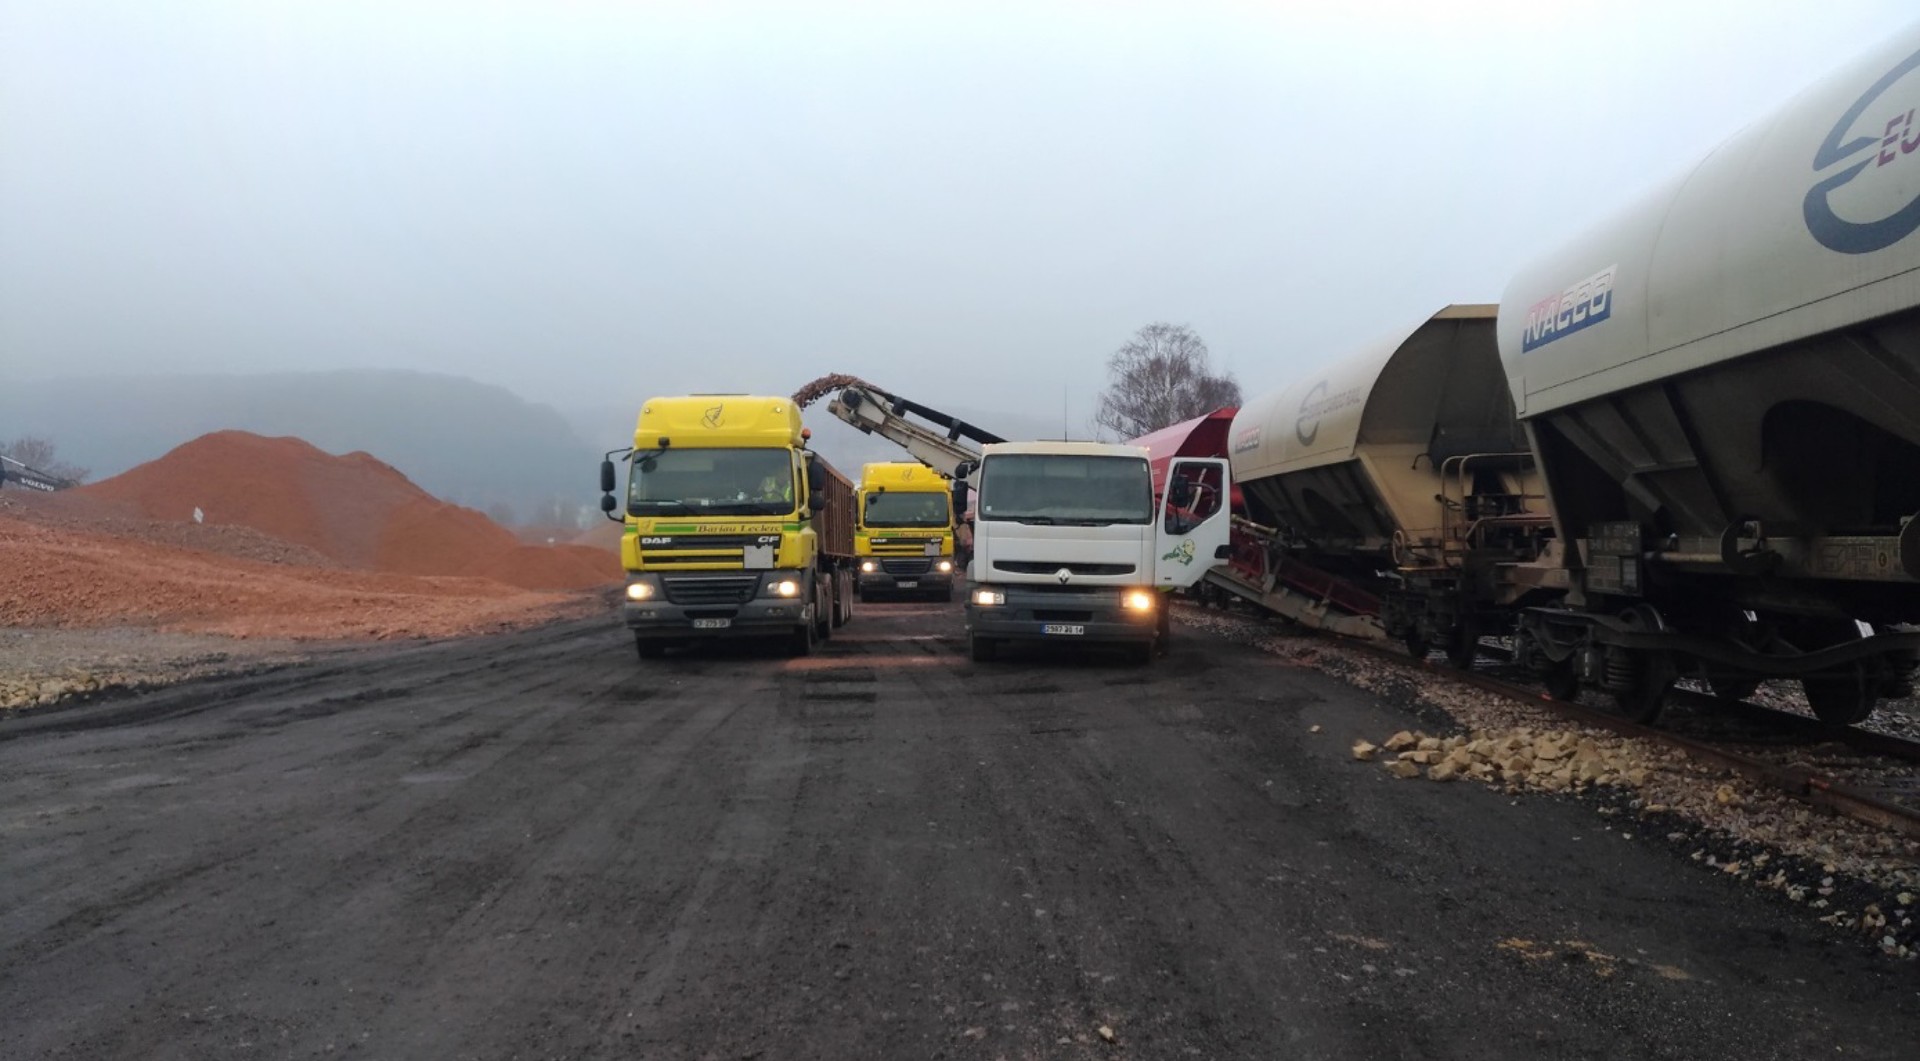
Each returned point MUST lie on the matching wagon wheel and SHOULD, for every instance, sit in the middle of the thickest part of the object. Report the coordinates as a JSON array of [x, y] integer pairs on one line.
[[1845, 698], [1463, 645], [1654, 672], [1563, 683], [1733, 688]]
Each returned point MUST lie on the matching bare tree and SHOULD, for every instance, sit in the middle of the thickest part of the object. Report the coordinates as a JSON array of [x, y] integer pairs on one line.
[[41, 455], [1159, 378]]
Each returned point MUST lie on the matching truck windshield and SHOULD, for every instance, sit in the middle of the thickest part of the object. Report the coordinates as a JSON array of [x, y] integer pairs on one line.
[[897, 509], [1065, 488], [712, 482]]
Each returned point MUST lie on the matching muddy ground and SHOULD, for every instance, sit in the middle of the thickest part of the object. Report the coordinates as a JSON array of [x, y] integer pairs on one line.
[[533, 845]]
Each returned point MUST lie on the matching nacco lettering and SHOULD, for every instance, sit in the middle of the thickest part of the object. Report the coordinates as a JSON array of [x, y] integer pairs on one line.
[[1582, 305], [1890, 137]]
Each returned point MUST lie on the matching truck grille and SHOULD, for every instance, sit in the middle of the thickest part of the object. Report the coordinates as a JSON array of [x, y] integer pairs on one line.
[[902, 546], [702, 548], [726, 589], [1040, 567], [906, 567]]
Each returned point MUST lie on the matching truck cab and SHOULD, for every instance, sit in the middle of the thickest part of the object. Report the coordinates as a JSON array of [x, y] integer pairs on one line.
[[733, 528], [1071, 546], [904, 540]]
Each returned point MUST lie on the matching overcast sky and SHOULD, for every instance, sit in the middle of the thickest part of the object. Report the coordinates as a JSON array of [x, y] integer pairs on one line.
[[590, 202]]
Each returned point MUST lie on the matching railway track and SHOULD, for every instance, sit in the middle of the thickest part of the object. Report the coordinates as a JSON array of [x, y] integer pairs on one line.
[[1867, 776], [1843, 770]]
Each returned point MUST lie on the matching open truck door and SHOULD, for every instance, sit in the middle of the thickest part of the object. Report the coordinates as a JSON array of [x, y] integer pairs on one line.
[[1195, 521]]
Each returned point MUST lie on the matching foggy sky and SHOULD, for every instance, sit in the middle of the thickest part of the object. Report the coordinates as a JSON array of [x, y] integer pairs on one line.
[[590, 202]]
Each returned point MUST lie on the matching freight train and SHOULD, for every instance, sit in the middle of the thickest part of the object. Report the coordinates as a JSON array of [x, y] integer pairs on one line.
[[1684, 445]]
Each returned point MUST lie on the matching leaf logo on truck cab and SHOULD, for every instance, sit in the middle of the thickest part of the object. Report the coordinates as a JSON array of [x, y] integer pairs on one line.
[[1182, 552], [1891, 137], [712, 416]]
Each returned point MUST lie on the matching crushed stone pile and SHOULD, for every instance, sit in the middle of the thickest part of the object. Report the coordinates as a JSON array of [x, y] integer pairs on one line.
[[353, 509], [1540, 759]]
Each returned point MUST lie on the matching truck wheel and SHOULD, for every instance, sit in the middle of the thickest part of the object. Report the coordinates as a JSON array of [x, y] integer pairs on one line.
[[648, 648], [981, 648], [1145, 651], [800, 642]]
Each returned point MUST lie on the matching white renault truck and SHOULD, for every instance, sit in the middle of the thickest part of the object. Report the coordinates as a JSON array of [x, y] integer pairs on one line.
[[1069, 544]]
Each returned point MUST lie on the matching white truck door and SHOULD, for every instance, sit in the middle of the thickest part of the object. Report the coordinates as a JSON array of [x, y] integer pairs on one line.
[[1196, 521]]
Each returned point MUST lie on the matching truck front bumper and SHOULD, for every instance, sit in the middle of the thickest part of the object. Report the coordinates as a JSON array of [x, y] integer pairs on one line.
[[1040, 615], [904, 574], [702, 617], [882, 581]]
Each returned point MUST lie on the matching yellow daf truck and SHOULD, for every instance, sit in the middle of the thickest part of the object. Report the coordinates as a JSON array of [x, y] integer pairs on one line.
[[733, 527], [904, 542]]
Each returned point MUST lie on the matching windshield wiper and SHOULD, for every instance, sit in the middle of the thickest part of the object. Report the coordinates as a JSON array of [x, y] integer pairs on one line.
[[683, 508], [1036, 521]]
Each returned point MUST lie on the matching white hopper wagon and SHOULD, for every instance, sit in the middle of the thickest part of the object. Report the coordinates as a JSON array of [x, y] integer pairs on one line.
[[1722, 389], [1401, 468]]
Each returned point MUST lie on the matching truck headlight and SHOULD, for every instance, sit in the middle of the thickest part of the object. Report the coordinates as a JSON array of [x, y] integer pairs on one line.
[[639, 591], [1138, 600], [989, 597], [868, 567], [945, 566], [785, 587]]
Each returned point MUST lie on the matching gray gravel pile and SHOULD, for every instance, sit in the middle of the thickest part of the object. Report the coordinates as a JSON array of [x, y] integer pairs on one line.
[[1856, 877], [41, 667]]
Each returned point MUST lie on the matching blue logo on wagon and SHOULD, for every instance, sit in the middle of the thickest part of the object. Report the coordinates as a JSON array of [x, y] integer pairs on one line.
[[1582, 305], [1892, 137]]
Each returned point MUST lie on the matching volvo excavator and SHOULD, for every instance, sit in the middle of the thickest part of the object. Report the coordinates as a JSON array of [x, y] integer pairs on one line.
[[14, 473]]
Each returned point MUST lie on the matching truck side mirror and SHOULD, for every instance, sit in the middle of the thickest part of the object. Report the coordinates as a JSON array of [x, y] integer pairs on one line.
[[606, 479], [816, 501], [961, 493], [607, 503]]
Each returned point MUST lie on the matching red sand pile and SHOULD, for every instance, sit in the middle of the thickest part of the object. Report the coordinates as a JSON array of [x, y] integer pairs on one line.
[[64, 577], [354, 509]]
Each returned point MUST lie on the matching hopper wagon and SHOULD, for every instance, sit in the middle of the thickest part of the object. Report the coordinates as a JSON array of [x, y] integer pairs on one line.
[[1400, 474], [1721, 387]]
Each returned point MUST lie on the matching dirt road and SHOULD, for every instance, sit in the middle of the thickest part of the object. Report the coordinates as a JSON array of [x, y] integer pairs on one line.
[[535, 846]]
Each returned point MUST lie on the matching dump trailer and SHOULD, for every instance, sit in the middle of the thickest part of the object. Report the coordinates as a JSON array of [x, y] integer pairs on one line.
[[904, 541], [734, 528], [1071, 546]]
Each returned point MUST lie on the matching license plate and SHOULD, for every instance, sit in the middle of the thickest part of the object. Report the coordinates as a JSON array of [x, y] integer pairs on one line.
[[1069, 629], [933, 549], [907, 583], [712, 624]]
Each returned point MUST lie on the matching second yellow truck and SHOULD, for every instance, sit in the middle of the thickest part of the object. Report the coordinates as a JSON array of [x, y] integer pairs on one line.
[[904, 541]]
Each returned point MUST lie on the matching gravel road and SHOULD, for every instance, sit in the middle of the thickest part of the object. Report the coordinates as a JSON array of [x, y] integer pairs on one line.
[[534, 846]]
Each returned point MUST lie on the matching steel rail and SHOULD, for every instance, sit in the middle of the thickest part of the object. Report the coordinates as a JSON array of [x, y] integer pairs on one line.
[[1816, 789]]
